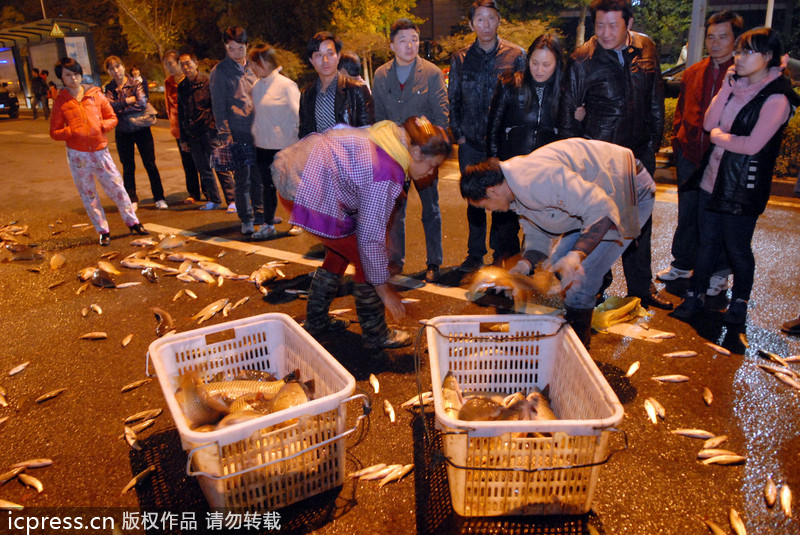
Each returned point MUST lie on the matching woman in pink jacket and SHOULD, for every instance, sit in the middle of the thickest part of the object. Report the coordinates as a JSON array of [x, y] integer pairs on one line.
[[81, 117]]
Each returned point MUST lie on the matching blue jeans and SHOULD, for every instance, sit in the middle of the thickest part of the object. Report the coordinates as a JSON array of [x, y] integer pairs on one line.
[[583, 293], [504, 233], [431, 224], [732, 234], [249, 193]]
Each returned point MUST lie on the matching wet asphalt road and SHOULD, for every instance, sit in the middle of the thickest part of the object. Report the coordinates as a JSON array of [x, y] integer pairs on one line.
[[655, 486]]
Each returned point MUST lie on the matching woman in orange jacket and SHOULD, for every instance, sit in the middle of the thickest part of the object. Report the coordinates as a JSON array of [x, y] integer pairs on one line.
[[81, 117]]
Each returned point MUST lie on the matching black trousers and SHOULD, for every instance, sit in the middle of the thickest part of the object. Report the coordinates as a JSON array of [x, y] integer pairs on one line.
[[143, 140]]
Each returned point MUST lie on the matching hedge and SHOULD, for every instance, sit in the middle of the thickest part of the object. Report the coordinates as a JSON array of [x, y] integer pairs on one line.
[[788, 164]]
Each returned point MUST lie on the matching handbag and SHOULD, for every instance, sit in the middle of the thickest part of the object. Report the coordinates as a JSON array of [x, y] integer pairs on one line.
[[144, 118], [232, 156]]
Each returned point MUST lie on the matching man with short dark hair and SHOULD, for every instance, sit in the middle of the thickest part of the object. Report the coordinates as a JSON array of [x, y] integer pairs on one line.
[[174, 77], [231, 82], [580, 203], [699, 84], [334, 98], [473, 77], [39, 91], [616, 77], [403, 87]]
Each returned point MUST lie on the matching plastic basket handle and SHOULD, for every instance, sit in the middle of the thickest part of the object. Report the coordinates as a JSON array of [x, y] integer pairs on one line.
[[190, 472], [147, 366]]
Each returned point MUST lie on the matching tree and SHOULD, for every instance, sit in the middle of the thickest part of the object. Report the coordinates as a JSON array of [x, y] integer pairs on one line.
[[665, 21], [11, 16], [521, 33], [153, 26]]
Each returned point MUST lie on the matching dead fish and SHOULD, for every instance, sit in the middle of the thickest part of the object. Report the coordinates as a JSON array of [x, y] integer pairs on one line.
[[662, 336], [226, 309], [124, 285], [708, 397], [3, 401], [714, 442], [7, 476], [191, 257], [388, 410], [86, 273], [80, 225], [136, 384], [101, 279], [480, 408], [367, 470], [237, 417], [789, 380], [171, 242], [651, 411], [220, 280], [85, 311], [719, 349], [130, 438], [32, 463], [681, 354], [793, 358], [142, 242], [111, 255], [150, 274], [95, 335], [3, 420], [715, 529], [770, 492], [263, 275], [240, 302], [185, 266], [138, 478], [96, 308], [376, 386], [396, 475], [340, 311], [31, 481], [177, 295], [185, 277], [725, 459], [108, 267], [786, 500], [195, 409], [409, 300], [141, 426], [660, 410], [221, 254], [56, 284], [633, 369], [165, 323], [144, 263], [777, 360], [713, 452], [16, 369], [220, 271], [452, 395], [425, 397], [201, 275], [209, 311], [380, 474], [33, 269], [127, 340], [518, 287], [190, 293], [10, 506], [736, 522], [693, 433], [50, 395], [291, 394], [670, 378], [57, 261], [144, 415], [82, 288]]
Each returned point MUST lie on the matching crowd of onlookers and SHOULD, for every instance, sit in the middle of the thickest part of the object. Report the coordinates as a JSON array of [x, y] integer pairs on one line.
[[501, 102]]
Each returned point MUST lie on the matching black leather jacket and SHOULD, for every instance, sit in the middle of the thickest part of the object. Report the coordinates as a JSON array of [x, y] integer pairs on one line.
[[744, 181], [473, 79], [624, 103], [195, 118], [513, 130], [353, 105]]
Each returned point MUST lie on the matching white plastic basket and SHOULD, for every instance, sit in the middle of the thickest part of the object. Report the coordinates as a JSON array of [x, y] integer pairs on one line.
[[250, 465], [491, 471]]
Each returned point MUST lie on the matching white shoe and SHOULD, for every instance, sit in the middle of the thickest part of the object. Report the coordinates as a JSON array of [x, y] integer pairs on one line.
[[717, 285], [295, 231], [247, 228], [264, 233], [135, 206], [672, 273], [161, 205]]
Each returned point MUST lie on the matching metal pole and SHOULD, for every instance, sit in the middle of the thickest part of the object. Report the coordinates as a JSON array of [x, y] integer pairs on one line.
[[696, 32], [44, 15], [770, 8]]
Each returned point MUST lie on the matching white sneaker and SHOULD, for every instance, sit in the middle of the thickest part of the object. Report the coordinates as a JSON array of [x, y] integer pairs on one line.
[[135, 206], [247, 228], [672, 273], [161, 205], [264, 233], [717, 285], [295, 231]]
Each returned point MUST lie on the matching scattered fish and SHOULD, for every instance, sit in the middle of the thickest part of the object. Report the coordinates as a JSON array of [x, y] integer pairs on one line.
[[715, 529], [130, 438], [220, 280], [178, 295], [201, 275], [191, 257], [210, 310], [786, 500], [141, 426], [83, 288], [221, 254], [777, 359], [264, 275], [16, 369], [367, 470], [86, 273], [144, 415], [138, 478], [453, 399], [30, 481], [136, 384], [240, 302], [3, 401], [190, 293], [101, 279], [80, 225], [165, 323], [142, 242], [226, 309], [714, 442], [793, 358], [49, 395], [426, 397], [770, 492], [151, 275], [520, 288], [85, 311], [396, 475], [388, 410], [376, 386], [95, 335], [789, 380], [633, 369], [670, 378], [144, 263], [725, 459], [57, 261], [32, 463], [171, 242], [340, 311], [681, 354], [7, 476], [220, 270], [719, 349], [713, 452], [660, 410], [693, 433], [111, 255], [127, 340], [409, 300], [96, 308], [10, 506], [124, 285], [380, 474], [4, 419], [56, 284], [651, 411], [736, 522], [108, 267]]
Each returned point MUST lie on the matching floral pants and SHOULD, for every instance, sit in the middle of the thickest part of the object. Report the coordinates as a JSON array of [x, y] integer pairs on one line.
[[85, 167]]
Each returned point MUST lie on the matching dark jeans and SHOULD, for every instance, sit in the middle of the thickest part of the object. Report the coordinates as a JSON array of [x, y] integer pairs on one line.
[[636, 263], [201, 154], [190, 173], [264, 159], [249, 194], [45, 102], [143, 140], [431, 225], [504, 232], [732, 234]]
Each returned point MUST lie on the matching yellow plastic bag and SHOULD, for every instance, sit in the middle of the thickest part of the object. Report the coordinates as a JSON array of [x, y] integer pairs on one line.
[[616, 310]]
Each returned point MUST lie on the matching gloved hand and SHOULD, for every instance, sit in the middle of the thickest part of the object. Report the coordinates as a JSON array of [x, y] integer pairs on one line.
[[568, 268], [523, 267]]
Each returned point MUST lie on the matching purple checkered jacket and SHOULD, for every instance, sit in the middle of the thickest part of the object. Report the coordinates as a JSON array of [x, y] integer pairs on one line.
[[349, 185]]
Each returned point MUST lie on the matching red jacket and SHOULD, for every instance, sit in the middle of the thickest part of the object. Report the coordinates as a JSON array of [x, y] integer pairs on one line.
[[83, 125], [171, 95], [699, 84]]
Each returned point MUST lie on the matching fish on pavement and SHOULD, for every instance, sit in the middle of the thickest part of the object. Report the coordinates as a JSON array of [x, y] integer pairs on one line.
[[396, 475], [138, 478], [191, 257], [670, 378], [165, 322], [786, 500], [376, 385], [220, 270], [633, 369], [208, 311], [201, 275], [693, 433], [49, 395], [367, 470], [135, 384], [388, 410], [770, 492], [95, 335]]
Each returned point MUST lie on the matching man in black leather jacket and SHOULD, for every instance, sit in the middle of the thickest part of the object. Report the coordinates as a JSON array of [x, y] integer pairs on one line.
[[473, 77], [616, 78], [334, 98]]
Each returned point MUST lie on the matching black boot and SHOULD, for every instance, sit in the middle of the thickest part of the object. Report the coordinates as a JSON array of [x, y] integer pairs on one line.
[[138, 229], [321, 293], [372, 316], [580, 319]]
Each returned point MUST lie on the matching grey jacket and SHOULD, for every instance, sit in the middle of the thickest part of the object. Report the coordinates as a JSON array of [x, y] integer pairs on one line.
[[231, 101], [423, 94]]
